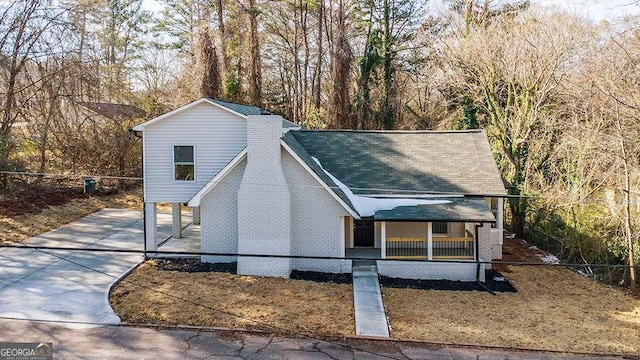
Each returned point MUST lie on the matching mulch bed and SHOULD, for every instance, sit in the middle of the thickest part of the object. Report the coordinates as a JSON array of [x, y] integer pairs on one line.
[[322, 277], [491, 283], [194, 266]]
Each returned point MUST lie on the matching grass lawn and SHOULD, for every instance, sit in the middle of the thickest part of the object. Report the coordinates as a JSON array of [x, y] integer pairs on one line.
[[153, 295], [554, 309]]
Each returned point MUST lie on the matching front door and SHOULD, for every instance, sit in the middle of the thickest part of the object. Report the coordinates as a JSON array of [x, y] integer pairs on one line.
[[363, 233]]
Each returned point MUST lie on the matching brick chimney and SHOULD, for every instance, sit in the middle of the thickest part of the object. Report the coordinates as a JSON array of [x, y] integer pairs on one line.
[[264, 210]]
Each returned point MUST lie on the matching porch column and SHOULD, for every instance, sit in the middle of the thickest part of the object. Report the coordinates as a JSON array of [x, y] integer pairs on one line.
[[150, 224], [177, 220], [500, 219], [429, 241], [196, 215], [383, 240], [343, 237]]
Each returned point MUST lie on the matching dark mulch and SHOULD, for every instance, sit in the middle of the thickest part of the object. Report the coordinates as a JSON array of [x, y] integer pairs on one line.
[[496, 286], [316, 276], [194, 265]]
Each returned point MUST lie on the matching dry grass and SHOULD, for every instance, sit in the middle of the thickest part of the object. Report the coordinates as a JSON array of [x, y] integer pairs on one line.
[[290, 305], [554, 309], [17, 228]]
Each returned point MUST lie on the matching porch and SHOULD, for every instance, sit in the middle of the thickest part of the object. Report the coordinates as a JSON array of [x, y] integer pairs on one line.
[[459, 229], [425, 247]]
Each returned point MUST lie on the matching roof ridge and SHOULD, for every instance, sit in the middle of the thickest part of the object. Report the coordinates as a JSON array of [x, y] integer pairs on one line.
[[469, 131]]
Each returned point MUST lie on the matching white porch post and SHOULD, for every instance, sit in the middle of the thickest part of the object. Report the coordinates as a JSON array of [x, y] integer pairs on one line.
[[343, 237], [500, 219], [177, 220], [196, 215], [151, 229], [429, 241], [383, 240], [351, 245]]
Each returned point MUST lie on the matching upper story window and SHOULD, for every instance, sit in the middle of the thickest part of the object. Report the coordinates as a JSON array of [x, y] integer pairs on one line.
[[183, 163], [440, 227]]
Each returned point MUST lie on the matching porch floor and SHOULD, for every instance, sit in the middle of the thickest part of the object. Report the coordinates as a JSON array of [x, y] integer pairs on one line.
[[189, 242]]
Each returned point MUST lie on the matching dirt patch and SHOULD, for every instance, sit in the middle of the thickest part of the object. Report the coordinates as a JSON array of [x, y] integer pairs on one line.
[[491, 283], [152, 295], [17, 228], [32, 198], [554, 309]]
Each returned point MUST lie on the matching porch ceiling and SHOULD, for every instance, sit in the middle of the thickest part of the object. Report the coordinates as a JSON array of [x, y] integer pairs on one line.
[[459, 209]]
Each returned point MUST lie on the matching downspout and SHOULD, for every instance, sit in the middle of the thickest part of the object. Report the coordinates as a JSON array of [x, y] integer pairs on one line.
[[138, 134]]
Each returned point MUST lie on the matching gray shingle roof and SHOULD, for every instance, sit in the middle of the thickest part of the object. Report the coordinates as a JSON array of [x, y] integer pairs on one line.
[[114, 111], [241, 108], [459, 209], [306, 157], [251, 110], [403, 162]]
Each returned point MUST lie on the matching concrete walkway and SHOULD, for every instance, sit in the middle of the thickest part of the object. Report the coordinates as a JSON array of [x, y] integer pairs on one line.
[[371, 319], [73, 286]]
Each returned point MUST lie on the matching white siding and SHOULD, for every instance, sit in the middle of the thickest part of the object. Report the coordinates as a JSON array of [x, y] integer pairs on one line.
[[217, 135]]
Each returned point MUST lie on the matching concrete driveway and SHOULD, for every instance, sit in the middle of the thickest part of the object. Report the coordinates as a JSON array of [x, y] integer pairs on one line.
[[61, 285]]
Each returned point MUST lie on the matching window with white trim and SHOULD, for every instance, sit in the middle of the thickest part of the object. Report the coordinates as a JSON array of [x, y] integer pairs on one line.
[[440, 228], [184, 168]]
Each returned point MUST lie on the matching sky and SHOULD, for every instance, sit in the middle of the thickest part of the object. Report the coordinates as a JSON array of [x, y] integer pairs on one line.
[[596, 10]]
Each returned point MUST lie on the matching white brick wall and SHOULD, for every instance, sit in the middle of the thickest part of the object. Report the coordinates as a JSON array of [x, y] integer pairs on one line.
[[219, 217], [315, 221], [264, 211], [430, 270]]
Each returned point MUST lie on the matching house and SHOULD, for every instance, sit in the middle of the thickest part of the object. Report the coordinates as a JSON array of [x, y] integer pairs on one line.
[[261, 185]]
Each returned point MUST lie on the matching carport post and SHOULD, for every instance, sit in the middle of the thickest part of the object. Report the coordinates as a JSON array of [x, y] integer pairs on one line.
[[150, 224], [196, 215], [177, 220]]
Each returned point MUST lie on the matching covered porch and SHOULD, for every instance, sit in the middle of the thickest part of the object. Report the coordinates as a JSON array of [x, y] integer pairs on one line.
[[426, 232]]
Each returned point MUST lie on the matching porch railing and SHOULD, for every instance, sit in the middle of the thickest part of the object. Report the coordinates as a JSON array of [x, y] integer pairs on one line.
[[453, 248], [405, 247], [442, 248]]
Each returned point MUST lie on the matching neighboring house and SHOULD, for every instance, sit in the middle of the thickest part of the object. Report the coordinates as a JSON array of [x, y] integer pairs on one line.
[[261, 185]]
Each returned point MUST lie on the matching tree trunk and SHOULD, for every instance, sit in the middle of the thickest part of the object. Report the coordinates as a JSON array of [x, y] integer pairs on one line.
[[255, 71], [627, 214]]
